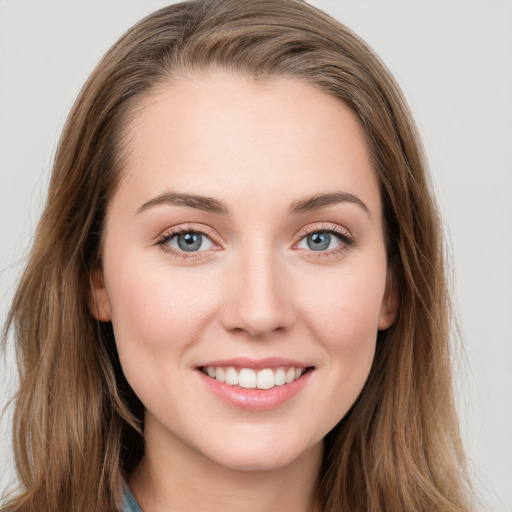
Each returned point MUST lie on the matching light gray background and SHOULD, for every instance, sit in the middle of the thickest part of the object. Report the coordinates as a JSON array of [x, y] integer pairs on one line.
[[454, 62]]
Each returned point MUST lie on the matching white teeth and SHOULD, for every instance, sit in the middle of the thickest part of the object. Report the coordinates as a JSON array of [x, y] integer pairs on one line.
[[231, 377], [280, 377], [249, 378], [266, 379], [220, 374]]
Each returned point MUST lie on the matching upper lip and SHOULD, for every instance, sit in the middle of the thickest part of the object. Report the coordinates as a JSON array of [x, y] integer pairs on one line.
[[256, 364]]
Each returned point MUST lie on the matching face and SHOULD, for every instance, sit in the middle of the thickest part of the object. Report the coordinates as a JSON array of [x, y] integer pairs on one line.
[[244, 268]]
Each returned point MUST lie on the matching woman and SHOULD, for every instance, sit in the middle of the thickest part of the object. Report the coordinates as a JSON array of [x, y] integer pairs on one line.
[[236, 295]]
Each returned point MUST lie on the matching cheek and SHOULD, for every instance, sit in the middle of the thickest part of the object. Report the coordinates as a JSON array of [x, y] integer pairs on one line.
[[346, 306], [157, 315], [157, 310], [342, 316], [339, 310]]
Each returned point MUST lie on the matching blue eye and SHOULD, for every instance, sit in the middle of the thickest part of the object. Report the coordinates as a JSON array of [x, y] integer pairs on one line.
[[189, 242], [320, 241]]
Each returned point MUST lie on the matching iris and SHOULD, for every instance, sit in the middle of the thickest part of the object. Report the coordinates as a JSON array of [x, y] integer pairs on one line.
[[319, 241], [190, 241]]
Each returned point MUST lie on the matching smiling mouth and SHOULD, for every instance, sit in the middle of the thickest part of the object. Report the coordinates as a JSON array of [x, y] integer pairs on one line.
[[249, 378]]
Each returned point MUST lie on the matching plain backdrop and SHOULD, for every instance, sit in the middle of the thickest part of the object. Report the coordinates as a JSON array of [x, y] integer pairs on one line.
[[453, 60]]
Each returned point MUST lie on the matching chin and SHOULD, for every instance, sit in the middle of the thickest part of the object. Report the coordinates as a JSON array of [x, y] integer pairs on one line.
[[254, 456]]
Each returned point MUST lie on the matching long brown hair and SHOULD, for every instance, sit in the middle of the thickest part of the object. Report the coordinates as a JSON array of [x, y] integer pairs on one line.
[[77, 423]]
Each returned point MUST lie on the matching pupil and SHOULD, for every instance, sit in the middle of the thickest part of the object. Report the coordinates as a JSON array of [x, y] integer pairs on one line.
[[319, 241], [189, 242]]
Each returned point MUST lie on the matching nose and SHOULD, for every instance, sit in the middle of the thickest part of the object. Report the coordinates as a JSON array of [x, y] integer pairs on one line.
[[257, 296]]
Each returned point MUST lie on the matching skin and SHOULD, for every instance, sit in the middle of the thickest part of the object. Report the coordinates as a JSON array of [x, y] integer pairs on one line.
[[258, 290]]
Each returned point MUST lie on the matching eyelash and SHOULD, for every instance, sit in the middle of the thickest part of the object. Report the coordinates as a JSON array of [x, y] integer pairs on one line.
[[183, 230], [346, 240]]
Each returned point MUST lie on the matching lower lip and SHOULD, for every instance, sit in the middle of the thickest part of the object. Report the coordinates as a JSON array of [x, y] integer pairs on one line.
[[255, 399]]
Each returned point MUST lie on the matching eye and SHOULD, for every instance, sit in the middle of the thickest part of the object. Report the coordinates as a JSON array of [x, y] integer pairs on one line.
[[320, 241], [189, 241], [325, 240]]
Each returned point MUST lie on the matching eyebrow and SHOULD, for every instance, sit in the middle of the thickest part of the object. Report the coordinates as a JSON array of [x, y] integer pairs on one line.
[[207, 204], [319, 201], [211, 205]]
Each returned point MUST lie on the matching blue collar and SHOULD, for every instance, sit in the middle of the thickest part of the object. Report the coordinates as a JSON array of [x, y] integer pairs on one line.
[[129, 502]]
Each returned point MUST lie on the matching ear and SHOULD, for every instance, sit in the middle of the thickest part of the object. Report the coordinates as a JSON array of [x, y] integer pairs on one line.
[[389, 305], [99, 303]]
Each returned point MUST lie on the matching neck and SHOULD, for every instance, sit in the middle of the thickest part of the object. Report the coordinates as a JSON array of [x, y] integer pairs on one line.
[[174, 477]]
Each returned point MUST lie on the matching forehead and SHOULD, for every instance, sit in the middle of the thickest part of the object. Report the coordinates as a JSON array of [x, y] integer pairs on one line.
[[222, 134]]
